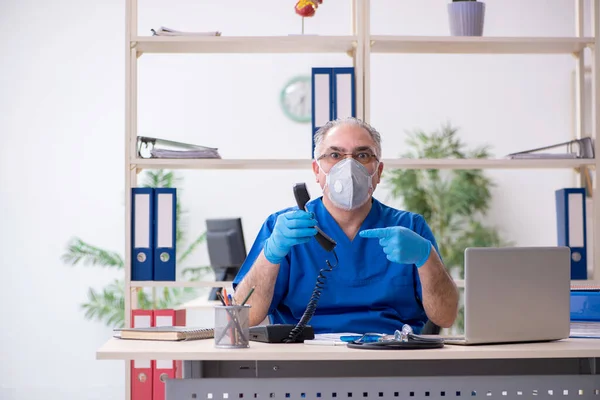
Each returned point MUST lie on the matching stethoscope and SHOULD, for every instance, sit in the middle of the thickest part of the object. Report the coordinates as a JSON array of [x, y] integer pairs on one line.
[[403, 339]]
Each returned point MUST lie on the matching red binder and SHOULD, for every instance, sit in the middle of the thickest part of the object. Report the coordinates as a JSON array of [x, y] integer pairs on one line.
[[166, 369], [142, 371]]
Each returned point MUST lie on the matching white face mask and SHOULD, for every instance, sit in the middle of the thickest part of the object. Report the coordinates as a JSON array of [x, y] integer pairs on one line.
[[349, 184]]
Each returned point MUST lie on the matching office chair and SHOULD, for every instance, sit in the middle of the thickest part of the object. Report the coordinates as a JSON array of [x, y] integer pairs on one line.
[[430, 329]]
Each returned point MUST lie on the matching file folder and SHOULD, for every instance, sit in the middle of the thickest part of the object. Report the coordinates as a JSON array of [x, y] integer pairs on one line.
[[142, 234], [576, 148], [343, 93], [333, 95], [585, 305], [149, 147], [142, 374], [167, 369], [165, 205], [322, 110], [571, 228], [169, 317]]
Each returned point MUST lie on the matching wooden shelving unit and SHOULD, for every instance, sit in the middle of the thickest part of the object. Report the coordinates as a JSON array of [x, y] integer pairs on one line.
[[178, 284], [478, 45], [359, 44], [420, 163], [242, 44]]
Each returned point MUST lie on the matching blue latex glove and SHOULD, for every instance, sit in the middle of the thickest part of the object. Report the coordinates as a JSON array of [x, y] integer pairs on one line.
[[401, 245], [291, 228]]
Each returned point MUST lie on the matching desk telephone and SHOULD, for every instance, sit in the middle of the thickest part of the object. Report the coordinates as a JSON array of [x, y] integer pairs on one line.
[[289, 333]]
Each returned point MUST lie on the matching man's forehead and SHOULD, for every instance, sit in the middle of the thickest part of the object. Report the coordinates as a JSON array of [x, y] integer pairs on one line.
[[348, 137]]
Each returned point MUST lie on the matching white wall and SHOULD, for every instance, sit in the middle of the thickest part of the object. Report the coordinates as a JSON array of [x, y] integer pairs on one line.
[[61, 154]]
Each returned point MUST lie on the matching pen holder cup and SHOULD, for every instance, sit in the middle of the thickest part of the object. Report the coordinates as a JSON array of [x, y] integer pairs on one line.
[[232, 327]]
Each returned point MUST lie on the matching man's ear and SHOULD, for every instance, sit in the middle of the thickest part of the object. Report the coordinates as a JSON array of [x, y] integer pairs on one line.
[[316, 168], [379, 172]]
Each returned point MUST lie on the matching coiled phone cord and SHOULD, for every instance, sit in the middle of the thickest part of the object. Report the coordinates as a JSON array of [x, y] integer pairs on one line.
[[312, 304]]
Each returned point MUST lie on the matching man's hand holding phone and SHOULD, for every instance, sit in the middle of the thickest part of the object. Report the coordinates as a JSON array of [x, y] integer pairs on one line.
[[291, 228]]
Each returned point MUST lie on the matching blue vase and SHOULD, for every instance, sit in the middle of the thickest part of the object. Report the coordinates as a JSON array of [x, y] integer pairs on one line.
[[466, 18]]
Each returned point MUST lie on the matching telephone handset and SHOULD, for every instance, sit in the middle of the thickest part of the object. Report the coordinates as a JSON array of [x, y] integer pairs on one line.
[[302, 197], [288, 333]]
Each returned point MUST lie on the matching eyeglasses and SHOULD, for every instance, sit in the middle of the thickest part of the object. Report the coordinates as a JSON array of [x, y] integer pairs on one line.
[[333, 157]]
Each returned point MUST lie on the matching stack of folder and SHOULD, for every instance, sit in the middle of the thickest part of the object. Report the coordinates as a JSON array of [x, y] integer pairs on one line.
[[153, 231], [148, 376], [333, 95]]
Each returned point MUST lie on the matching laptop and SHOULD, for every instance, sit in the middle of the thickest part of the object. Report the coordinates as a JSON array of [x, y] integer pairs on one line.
[[515, 295]]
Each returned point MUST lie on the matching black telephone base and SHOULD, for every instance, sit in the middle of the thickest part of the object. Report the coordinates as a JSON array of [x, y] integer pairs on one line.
[[277, 333]]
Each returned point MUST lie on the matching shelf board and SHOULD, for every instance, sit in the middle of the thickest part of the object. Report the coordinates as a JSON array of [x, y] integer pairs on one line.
[[406, 163], [245, 44], [460, 283], [210, 284], [479, 44], [180, 284], [200, 303], [499, 163]]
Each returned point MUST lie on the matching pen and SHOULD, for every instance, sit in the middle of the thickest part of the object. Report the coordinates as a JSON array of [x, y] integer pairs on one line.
[[221, 298], [363, 338], [248, 296], [224, 291], [230, 299]]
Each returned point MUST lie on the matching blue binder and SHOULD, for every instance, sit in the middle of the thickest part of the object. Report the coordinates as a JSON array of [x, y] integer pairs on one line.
[[571, 228], [165, 206], [343, 92], [585, 305], [142, 234], [321, 99], [333, 95]]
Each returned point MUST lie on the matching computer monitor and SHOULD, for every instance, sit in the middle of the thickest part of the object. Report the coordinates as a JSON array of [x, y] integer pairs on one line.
[[226, 248]]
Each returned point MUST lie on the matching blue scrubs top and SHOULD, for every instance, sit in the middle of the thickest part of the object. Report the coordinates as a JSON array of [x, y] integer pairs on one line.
[[365, 292]]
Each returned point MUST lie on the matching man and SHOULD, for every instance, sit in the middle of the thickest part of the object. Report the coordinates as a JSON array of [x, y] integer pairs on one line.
[[388, 271]]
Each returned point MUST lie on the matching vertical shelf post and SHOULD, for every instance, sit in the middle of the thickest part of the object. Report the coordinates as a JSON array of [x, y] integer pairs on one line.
[[579, 74], [361, 59], [130, 139], [366, 34], [131, 175], [595, 246], [359, 55], [579, 103], [131, 15]]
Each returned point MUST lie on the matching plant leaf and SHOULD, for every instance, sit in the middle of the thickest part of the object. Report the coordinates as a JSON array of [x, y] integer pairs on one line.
[[159, 178], [196, 273], [79, 251], [106, 306], [199, 240], [453, 202]]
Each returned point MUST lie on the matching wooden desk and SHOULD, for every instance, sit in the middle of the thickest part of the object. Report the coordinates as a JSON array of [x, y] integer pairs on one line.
[[566, 368], [118, 349]]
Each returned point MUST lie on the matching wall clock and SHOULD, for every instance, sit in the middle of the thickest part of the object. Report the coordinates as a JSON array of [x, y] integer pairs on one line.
[[295, 99]]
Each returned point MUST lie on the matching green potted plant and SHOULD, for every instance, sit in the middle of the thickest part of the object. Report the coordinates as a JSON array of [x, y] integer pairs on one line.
[[466, 17], [453, 202]]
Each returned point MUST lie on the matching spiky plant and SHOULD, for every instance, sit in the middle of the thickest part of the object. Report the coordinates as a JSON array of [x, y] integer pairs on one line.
[[108, 304], [453, 202]]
